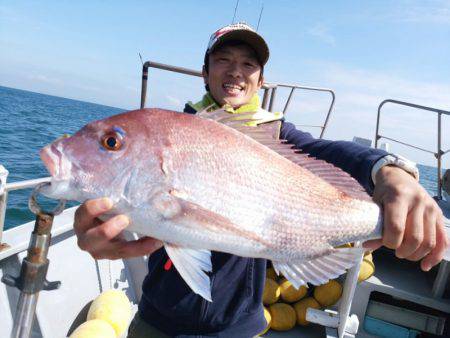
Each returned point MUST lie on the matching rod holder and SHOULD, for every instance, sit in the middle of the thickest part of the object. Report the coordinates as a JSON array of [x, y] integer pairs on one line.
[[32, 278]]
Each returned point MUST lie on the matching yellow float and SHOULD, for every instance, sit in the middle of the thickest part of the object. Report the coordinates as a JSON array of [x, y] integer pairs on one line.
[[329, 293], [268, 320], [283, 317], [113, 307], [301, 307], [271, 292], [95, 328], [366, 270], [270, 273], [289, 293]]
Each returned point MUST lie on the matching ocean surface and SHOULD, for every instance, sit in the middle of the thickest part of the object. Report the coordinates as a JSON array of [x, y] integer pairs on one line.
[[29, 121]]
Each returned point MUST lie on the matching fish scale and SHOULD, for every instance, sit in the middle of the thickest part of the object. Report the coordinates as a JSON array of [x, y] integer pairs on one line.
[[199, 185]]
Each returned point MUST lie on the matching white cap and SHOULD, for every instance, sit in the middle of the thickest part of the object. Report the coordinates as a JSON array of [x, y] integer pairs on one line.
[[240, 32]]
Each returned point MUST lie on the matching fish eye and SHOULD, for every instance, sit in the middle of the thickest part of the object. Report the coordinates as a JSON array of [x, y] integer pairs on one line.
[[112, 141]]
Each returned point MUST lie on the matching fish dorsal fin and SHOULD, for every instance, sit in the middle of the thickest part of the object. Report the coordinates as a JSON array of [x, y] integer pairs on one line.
[[226, 118], [326, 171], [319, 270]]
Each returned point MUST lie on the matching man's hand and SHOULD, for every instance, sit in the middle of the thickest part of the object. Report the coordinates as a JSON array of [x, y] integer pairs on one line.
[[413, 222], [103, 239]]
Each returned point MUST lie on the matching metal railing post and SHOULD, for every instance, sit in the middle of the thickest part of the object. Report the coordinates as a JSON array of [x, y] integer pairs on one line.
[[439, 157], [377, 137], [272, 98], [327, 118], [3, 199], [265, 98], [288, 100], [322, 127], [437, 154], [151, 64]]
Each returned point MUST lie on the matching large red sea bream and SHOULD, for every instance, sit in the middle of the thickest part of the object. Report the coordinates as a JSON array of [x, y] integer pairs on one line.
[[200, 185]]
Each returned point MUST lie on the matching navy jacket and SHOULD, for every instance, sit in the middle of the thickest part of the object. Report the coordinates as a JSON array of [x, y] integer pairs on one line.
[[237, 283]]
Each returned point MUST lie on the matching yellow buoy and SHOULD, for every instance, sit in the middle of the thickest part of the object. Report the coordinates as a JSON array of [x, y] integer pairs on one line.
[[270, 273], [301, 307], [268, 320], [95, 328], [113, 307], [283, 317], [329, 293], [346, 245], [368, 256], [271, 292], [366, 270], [289, 293]]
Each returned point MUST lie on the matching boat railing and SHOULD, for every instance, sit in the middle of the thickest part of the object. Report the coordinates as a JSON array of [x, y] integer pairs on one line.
[[270, 90], [438, 154], [5, 188], [269, 95]]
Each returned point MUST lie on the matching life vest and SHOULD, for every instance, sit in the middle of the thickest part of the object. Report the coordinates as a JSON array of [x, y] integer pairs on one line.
[[270, 122]]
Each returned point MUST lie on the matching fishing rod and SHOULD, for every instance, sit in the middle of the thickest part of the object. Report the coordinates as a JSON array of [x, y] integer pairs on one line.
[[259, 18], [260, 15], [235, 10]]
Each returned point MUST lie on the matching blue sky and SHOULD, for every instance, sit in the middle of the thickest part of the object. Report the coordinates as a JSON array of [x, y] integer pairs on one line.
[[365, 50]]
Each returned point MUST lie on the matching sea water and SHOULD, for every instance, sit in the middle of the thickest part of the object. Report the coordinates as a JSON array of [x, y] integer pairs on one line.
[[29, 121]]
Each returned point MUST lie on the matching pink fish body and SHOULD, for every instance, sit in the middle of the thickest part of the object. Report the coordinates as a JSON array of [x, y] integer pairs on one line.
[[199, 185]]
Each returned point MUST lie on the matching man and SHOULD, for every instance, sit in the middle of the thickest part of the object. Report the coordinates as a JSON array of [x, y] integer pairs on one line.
[[233, 74]]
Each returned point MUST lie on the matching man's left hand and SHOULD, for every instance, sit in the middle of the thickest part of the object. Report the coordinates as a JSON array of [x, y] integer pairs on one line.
[[413, 222]]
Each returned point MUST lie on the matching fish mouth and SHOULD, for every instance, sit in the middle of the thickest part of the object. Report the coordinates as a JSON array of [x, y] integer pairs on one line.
[[59, 168], [56, 163], [49, 159], [52, 159]]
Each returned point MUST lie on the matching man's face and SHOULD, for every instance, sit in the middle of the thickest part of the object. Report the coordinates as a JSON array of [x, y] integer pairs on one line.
[[234, 75]]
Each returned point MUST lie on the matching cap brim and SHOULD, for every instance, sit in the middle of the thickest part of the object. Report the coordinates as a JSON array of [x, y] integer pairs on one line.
[[251, 38]]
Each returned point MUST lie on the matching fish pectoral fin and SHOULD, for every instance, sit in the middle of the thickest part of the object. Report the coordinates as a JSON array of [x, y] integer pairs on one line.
[[319, 270], [192, 264], [175, 206]]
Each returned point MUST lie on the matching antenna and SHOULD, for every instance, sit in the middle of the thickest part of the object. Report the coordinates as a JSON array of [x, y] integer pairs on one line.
[[260, 15], [235, 9], [140, 56]]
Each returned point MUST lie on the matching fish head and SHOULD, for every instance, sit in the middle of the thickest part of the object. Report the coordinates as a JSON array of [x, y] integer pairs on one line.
[[116, 157]]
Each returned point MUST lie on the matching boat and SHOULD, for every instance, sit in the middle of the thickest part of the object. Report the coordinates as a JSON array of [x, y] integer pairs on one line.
[[399, 300]]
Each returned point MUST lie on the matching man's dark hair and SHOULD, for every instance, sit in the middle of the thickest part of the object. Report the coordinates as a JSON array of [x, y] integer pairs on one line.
[[232, 43]]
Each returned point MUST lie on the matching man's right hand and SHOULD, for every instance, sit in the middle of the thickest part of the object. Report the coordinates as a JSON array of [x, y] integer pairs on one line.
[[103, 239]]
